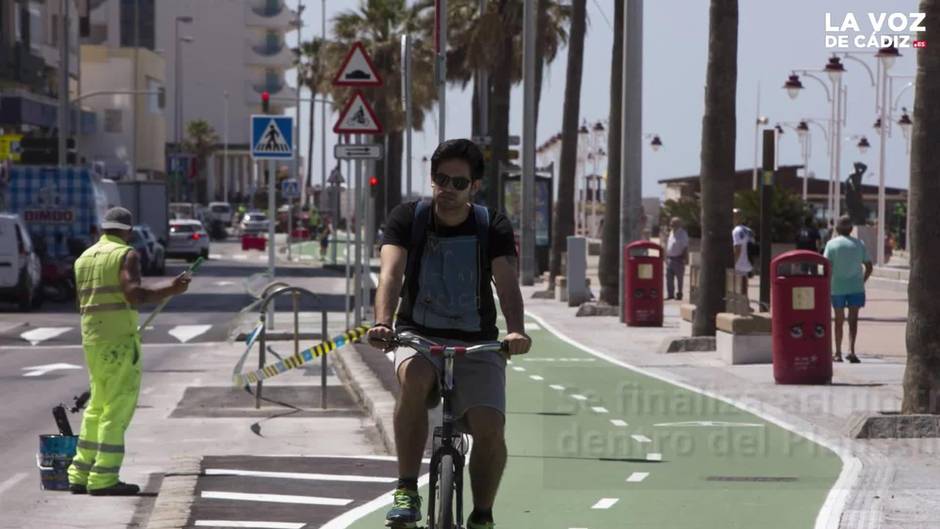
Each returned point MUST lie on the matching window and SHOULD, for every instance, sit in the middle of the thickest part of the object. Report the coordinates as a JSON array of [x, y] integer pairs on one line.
[[183, 228], [113, 120], [34, 26], [153, 100], [145, 28]]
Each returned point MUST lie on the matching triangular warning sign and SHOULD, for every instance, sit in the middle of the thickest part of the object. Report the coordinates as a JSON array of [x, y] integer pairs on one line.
[[357, 69], [272, 140], [357, 117]]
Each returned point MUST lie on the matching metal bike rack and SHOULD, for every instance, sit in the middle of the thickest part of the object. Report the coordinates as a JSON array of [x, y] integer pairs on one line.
[[271, 292]]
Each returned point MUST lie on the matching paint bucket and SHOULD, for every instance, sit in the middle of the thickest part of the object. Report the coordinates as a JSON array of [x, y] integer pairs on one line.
[[54, 457]]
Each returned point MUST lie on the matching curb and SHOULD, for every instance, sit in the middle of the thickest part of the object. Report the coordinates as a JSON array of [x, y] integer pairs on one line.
[[11, 327], [176, 496], [369, 391]]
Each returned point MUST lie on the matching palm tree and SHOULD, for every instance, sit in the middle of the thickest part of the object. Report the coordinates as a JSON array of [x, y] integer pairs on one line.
[[921, 377], [492, 41], [309, 58], [201, 141], [378, 24], [564, 211], [717, 165], [609, 266]]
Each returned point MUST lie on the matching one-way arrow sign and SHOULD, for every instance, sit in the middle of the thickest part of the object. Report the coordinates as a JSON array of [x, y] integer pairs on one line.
[[38, 371], [362, 151]]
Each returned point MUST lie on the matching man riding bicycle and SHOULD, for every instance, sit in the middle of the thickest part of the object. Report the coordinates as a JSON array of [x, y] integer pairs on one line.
[[447, 251]]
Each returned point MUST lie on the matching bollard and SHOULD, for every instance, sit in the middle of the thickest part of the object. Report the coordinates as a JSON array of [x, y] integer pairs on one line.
[[323, 365], [577, 270]]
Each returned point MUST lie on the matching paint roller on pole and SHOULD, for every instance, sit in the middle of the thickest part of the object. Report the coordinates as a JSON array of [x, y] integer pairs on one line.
[[191, 270]]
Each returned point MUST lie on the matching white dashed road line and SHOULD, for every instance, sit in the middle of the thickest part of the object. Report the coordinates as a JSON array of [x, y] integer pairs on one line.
[[605, 503], [599, 409], [641, 439], [274, 498], [654, 456], [637, 477], [536, 377], [518, 368], [556, 387], [618, 422], [298, 475], [578, 397], [253, 525]]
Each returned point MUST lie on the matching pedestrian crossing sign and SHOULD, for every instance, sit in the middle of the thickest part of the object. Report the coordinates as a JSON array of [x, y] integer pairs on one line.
[[272, 137]]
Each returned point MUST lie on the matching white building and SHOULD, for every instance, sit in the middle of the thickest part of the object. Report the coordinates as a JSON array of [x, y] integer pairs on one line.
[[237, 51]]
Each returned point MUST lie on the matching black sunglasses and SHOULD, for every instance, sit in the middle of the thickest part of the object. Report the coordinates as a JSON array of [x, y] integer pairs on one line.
[[457, 182]]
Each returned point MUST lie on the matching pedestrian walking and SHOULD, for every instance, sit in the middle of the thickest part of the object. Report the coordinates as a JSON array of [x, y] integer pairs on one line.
[[325, 231], [741, 237], [677, 255], [107, 282], [809, 238], [851, 268]]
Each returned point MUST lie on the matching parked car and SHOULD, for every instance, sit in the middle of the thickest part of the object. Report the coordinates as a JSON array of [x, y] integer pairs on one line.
[[254, 222], [188, 238], [152, 253], [20, 270]]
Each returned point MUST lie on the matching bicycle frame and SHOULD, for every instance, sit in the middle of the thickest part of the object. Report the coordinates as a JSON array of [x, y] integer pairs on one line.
[[445, 435]]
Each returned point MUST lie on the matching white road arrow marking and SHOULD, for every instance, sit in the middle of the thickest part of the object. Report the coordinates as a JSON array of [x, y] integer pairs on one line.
[[38, 371], [41, 334], [185, 333]]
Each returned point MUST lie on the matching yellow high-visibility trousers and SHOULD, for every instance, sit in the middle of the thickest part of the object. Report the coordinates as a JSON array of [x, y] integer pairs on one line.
[[114, 371]]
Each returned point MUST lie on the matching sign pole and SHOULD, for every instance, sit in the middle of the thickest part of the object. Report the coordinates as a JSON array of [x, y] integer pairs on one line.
[[290, 226], [358, 217], [272, 218], [406, 94], [349, 210]]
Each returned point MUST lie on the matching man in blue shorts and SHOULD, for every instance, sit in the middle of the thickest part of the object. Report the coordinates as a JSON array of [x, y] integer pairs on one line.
[[851, 268]]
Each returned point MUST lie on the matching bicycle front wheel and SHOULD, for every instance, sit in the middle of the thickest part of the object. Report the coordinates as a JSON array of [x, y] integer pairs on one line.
[[445, 494]]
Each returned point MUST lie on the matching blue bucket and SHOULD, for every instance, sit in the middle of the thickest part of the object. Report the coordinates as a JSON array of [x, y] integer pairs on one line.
[[54, 457]]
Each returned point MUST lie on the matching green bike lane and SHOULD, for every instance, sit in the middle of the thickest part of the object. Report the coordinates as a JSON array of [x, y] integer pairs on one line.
[[594, 444]]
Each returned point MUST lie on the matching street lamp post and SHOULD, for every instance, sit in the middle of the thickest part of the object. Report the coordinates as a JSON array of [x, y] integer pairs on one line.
[[178, 95], [225, 165]]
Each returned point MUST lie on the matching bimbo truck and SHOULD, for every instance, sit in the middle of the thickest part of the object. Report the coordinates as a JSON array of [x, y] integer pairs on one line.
[[62, 208], [62, 211]]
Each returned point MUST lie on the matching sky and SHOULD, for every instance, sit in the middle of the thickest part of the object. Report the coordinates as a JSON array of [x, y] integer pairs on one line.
[[773, 39]]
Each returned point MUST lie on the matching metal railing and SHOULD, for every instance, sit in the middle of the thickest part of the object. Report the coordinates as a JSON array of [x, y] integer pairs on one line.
[[271, 292]]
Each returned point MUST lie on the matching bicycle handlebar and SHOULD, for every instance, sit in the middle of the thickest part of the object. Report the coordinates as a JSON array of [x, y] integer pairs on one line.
[[424, 345]]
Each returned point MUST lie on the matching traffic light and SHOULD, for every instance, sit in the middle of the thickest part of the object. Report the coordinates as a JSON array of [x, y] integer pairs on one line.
[[373, 185], [265, 102]]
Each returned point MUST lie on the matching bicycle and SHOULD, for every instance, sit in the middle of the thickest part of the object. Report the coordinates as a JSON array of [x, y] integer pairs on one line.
[[447, 459]]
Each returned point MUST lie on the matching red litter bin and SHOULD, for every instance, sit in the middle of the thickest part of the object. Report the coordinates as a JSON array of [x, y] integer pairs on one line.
[[643, 286], [254, 242], [300, 234], [800, 318]]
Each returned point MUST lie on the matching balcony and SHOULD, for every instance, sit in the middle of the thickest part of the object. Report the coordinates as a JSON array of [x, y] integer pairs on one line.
[[269, 14], [269, 51]]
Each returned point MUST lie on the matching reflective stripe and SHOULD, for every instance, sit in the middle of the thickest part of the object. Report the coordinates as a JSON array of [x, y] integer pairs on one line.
[[82, 466], [101, 447], [116, 289], [105, 470], [104, 307]]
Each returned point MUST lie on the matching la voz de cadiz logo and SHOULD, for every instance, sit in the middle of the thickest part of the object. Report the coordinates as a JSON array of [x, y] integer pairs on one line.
[[874, 30]]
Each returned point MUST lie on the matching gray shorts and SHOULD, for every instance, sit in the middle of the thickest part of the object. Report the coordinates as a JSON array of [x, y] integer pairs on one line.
[[479, 379]]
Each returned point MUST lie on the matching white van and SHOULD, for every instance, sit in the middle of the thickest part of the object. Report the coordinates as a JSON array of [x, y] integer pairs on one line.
[[20, 270], [221, 211]]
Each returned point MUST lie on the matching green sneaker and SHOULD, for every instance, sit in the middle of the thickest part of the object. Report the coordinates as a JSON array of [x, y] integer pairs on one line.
[[484, 525], [406, 509]]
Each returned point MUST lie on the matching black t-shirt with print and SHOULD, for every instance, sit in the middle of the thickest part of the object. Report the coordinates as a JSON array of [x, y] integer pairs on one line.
[[501, 243]]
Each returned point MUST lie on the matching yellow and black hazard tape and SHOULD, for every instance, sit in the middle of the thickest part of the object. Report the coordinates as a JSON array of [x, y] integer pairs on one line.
[[299, 359]]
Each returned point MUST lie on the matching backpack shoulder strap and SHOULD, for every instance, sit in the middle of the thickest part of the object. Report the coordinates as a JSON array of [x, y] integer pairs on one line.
[[481, 217], [419, 228]]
